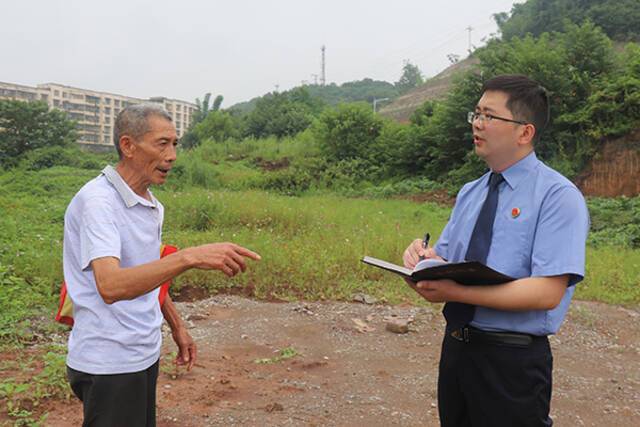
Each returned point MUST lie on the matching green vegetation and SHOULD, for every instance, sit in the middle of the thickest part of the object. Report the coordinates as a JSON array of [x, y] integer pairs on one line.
[[411, 77], [311, 244], [332, 94], [594, 90], [313, 183], [24, 394], [284, 354], [30, 126], [620, 19], [595, 93]]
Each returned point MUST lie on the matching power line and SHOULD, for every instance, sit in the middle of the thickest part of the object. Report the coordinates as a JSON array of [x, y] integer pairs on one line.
[[456, 34]]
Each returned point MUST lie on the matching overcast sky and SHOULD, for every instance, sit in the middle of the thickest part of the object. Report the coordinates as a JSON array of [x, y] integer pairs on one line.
[[240, 49]]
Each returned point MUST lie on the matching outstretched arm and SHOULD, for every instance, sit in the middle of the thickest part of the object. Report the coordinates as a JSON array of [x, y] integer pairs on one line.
[[116, 283]]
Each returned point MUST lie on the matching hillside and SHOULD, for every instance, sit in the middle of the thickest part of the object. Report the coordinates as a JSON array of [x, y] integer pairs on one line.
[[332, 94], [614, 171], [437, 87], [434, 88]]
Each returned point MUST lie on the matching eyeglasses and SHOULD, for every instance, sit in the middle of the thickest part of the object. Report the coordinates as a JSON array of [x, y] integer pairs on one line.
[[473, 115]]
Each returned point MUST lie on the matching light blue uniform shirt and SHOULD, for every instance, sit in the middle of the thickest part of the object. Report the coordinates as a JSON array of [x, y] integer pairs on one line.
[[107, 219], [540, 229]]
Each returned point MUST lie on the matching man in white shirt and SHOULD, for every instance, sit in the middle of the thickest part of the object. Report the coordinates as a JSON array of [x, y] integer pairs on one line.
[[113, 270]]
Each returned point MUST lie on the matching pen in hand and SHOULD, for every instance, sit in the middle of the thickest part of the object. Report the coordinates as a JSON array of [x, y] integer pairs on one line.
[[425, 244]]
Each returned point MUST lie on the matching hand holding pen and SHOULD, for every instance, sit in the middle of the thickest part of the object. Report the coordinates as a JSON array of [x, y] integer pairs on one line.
[[425, 245]]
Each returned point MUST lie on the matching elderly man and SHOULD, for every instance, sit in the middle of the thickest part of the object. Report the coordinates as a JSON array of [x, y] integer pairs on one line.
[[112, 267], [529, 222]]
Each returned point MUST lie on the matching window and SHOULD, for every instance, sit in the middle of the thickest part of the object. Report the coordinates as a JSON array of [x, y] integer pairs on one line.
[[107, 110], [117, 103], [56, 92], [107, 100], [87, 137]]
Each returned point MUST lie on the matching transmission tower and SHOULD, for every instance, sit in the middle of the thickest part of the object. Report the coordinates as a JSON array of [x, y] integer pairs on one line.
[[323, 76]]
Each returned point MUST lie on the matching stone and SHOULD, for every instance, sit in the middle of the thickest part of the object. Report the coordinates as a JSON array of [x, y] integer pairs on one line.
[[397, 326]]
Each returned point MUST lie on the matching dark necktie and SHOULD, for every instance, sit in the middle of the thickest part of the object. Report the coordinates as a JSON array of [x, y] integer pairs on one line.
[[459, 314]]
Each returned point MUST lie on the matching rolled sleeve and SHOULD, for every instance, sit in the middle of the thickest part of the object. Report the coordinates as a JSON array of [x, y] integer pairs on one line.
[[559, 243], [99, 234]]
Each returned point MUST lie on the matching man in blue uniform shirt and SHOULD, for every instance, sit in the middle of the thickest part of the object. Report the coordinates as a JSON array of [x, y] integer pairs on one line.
[[525, 220]]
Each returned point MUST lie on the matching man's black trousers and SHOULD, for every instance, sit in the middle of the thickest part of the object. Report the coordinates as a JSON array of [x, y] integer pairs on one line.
[[119, 400], [493, 385]]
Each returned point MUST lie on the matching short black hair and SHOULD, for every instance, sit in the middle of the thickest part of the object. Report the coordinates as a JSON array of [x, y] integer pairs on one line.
[[528, 100]]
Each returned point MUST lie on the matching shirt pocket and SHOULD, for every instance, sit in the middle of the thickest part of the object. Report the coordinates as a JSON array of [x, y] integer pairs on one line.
[[514, 230]]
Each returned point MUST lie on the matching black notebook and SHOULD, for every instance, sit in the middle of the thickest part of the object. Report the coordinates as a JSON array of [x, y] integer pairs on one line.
[[470, 273]]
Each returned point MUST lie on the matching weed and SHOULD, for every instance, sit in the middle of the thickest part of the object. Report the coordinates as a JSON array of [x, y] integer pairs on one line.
[[284, 354]]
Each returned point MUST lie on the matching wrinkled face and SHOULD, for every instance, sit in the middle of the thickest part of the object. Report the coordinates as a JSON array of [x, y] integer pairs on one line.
[[155, 151], [496, 141]]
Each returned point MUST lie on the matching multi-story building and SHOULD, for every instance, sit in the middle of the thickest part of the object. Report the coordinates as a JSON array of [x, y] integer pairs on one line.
[[94, 112]]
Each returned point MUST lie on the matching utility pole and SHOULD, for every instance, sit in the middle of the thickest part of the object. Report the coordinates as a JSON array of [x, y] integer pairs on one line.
[[376, 101], [469, 28], [323, 76]]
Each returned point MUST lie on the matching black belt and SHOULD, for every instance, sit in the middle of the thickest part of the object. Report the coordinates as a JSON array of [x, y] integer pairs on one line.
[[469, 334]]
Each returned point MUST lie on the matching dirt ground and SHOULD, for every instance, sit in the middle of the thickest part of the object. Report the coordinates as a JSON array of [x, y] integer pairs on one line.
[[351, 371]]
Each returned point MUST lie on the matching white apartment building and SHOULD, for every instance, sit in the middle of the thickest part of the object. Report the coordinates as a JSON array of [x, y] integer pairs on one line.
[[93, 111]]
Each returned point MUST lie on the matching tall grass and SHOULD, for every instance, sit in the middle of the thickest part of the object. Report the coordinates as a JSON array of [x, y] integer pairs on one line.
[[311, 246], [302, 145]]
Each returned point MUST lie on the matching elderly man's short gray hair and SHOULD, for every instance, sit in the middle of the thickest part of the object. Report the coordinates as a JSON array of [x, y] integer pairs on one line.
[[132, 121]]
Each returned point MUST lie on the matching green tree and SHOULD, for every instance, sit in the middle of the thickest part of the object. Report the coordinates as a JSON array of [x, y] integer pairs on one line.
[[348, 131], [333, 94], [620, 19], [411, 77], [571, 65], [190, 139], [613, 108], [218, 126], [588, 53], [282, 114], [203, 108], [217, 103], [443, 140], [26, 126]]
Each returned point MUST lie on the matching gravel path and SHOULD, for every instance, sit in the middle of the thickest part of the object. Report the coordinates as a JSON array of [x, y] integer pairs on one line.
[[351, 371]]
